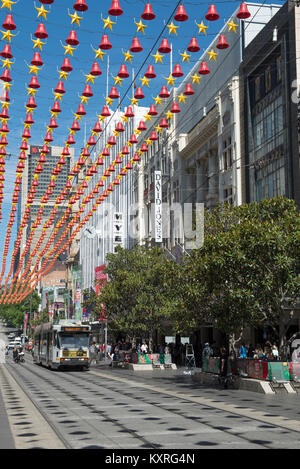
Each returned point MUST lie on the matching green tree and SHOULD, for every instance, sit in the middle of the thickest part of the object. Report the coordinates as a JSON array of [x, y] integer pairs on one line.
[[248, 270], [136, 297]]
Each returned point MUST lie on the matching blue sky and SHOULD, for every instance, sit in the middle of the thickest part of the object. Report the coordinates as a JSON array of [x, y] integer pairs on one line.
[[58, 26]]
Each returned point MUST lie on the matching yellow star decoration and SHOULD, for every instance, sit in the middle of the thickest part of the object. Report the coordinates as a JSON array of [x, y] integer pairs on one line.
[[158, 129], [109, 101], [63, 74], [170, 80], [84, 99], [128, 56], [42, 11], [31, 92], [158, 100], [118, 80], [137, 132], [182, 98], [202, 28], [57, 96], [140, 27], [124, 118], [90, 78], [33, 69], [134, 102], [148, 118], [148, 141], [169, 115], [196, 78], [69, 49], [185, 57], [172, 28], [99, 54], [7, 4], [6, 86], [38, 43], [158, 57], [212, 55], [232, 26], [75, 18], [108, 23], [145, 81], [7, 35], [7, 63]]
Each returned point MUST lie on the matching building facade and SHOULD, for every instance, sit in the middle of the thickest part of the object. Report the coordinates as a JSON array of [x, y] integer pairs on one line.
[[270, 112]]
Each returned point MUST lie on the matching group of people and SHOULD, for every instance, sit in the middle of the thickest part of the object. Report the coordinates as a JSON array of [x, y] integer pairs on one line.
[[268, 352]]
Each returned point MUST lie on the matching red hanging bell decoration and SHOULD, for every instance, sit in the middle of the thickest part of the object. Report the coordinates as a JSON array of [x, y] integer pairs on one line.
[[71, 140], [72, 39], [60, 89], [123, 73], [5, 97], [164, 48], [96, 72], [34, 83], [80, 5], [92, 140], [75, 126], [37, 60], [9, 23], [81, 110], [31, 103], [204, 70], [115, 9], [105, 112], [24, 146], [177, 72], [56, 107], [45, 149], [148, 13], [6, 76], [144, 148], [66, 66], [153, 137], [164, 92], [212, 14], [222, 44], [26, 134], [41, 32], [4, 128], [150, 72], [139, 93], [114, 93], [181, 14], [4, 114], [29, 119], [105, 152], [87, 92], [129, 112], [125, 150], [243, 12], [175, 108], [48, 137], [133, 139], [116, 182], [97, 127], [142, 127], [105, 43], [136, 46], [53, 124], [136, 157], [6, 53], [152, 110], [112, 140], [188, 90], [119, 127], [193, 46]]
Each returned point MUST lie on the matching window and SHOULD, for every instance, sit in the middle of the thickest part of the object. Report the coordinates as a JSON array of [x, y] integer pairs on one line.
[[268, 79], [278, 68], [228, 195], [227, 154], [257, 88]]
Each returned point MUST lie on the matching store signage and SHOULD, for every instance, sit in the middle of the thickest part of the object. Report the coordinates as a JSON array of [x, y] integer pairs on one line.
[[158, 207]]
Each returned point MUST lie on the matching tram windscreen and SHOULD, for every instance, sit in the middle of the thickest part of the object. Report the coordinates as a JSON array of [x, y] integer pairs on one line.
[[73, 341]]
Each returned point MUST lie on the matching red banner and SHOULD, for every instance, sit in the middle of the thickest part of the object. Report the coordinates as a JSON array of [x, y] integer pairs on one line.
[[100, 278]]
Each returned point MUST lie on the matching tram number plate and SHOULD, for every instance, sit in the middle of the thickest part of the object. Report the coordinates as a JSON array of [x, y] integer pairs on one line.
[[74, 353]]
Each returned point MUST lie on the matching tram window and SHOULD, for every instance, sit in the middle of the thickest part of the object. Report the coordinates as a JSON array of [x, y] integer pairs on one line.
[[74, 340]]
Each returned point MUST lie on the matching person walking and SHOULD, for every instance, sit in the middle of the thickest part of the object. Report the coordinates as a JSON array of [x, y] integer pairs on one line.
[[224, 366], [296, 354], [243, 351], [207, 351]]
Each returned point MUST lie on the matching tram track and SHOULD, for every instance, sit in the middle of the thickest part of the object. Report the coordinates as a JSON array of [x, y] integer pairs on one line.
[[91, 384]]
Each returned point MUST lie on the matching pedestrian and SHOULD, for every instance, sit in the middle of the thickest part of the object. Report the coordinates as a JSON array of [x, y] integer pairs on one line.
[[224, 366], [251, 351], [207, 351], [275, 352], [296, 354], [144, 348], [243, 351]]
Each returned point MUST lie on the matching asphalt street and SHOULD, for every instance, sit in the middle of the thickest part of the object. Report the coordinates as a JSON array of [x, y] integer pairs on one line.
[[107, 408]]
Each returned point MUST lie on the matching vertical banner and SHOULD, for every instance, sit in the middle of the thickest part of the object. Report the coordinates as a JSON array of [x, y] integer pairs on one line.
[[25, 323], [158, 207]]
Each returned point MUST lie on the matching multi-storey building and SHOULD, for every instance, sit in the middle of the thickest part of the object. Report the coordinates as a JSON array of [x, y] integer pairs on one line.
[[271, 81]]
